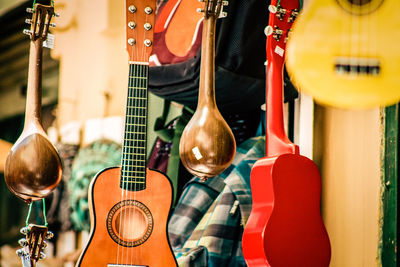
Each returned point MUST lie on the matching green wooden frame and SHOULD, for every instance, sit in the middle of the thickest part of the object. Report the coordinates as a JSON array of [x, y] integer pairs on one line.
[[389, 194]]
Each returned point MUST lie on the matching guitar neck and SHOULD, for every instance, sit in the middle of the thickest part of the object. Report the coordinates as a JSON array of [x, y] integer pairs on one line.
[[34, 90], [133, 177], [277, 142], [207, 80]]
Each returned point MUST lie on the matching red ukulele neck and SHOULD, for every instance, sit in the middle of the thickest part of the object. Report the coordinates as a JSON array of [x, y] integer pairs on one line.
[[280, 21]]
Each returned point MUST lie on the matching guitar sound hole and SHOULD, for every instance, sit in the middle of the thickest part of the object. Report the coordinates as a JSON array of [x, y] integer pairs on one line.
[[129, 223], [360, 7]]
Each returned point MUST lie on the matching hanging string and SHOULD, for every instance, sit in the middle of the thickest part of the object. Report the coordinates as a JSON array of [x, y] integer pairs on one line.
[[30, 211], [29, 215], [300, 4]]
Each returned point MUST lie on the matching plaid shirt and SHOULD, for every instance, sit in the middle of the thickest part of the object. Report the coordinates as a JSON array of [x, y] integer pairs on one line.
[[207, 224]]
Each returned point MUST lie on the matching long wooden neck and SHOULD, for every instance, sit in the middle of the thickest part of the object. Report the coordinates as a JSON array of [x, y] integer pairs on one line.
[[277, 142], [33, 110], [207, 79], [133, 177]]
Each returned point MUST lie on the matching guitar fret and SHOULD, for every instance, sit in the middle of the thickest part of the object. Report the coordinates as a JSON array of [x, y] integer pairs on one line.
[[138, 77], [136, 116], [135, 132], [137, 97], [134, 87], [138, 154], [136, 107], [135, 124], [135, 177], [134, 171]]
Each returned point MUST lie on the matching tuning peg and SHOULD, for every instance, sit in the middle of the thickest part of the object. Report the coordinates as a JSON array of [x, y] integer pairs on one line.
[[28, 21], [42, 256], [199, 10], [272, 9], [30, 10], [25, 230], [44, 244], [20, 252], [223, 15], [52, 25], [225, 3], [26, 32], [49, 235], [57, 15], [268, 30], [23, 242]]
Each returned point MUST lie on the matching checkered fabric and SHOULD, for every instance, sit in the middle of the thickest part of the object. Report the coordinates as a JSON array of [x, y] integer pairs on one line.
[[207, 224]]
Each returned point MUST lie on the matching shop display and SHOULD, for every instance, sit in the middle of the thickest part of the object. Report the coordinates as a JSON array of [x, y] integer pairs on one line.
[[129, 205], [341, 52], [207, 145], [285, 227]]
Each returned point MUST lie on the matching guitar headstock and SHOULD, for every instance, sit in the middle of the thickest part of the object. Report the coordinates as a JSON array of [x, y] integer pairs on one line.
[[40, 22], [33, 244], [213, 8], [282, 16], [140, 17]]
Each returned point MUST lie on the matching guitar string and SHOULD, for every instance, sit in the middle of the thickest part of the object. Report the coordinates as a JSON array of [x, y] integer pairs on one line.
[[144, 110]]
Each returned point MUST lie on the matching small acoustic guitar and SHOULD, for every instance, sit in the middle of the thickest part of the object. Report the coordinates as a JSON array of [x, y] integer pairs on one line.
[[285, 227], [345, 52], [129, 205]]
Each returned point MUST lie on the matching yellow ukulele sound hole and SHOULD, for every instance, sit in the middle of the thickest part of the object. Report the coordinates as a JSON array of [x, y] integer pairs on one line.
[[360, 7], [129, 223]]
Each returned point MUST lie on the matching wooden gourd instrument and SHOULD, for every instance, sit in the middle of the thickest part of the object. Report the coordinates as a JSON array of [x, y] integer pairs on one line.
[[285, 226], [33, 166], [207, 145]]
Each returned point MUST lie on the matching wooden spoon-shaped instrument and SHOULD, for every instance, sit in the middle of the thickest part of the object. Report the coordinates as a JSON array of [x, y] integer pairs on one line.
[[207, 145], [33, 166]]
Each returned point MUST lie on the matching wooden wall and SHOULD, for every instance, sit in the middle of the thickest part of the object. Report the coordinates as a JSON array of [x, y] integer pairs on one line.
[[347, 149]]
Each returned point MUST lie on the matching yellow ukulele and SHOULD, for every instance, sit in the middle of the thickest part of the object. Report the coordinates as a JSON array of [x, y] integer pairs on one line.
[[345, 52]]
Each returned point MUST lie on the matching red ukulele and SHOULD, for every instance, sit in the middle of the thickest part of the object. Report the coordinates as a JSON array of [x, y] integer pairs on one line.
[[285, 227], [129, 205]]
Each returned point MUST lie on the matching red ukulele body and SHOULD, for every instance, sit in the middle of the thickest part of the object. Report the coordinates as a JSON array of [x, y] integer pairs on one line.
[[285, 227], [129, 205]]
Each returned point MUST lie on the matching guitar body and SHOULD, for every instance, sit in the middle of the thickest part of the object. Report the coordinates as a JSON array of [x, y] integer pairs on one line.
[[136, 219], [285, 227], [346, 56]]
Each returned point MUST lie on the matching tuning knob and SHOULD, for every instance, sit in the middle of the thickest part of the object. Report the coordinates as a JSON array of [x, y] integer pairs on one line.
[[49, 235], [27, 32], [28, 21], [272, 9], [29, 10], [23, 242], [42, 256], [20, 252], [24, 230]]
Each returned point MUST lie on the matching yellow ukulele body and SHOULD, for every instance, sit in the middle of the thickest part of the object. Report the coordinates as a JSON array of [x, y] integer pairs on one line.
[[345, 53]]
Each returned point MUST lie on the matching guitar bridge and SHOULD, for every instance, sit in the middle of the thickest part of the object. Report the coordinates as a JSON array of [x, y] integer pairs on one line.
[[357, 66]]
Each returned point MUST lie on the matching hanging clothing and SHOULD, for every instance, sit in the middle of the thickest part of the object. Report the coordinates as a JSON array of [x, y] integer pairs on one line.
[[207, 224]]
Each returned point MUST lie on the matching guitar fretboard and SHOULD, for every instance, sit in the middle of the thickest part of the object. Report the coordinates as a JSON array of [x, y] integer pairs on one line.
[[133, 176]]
